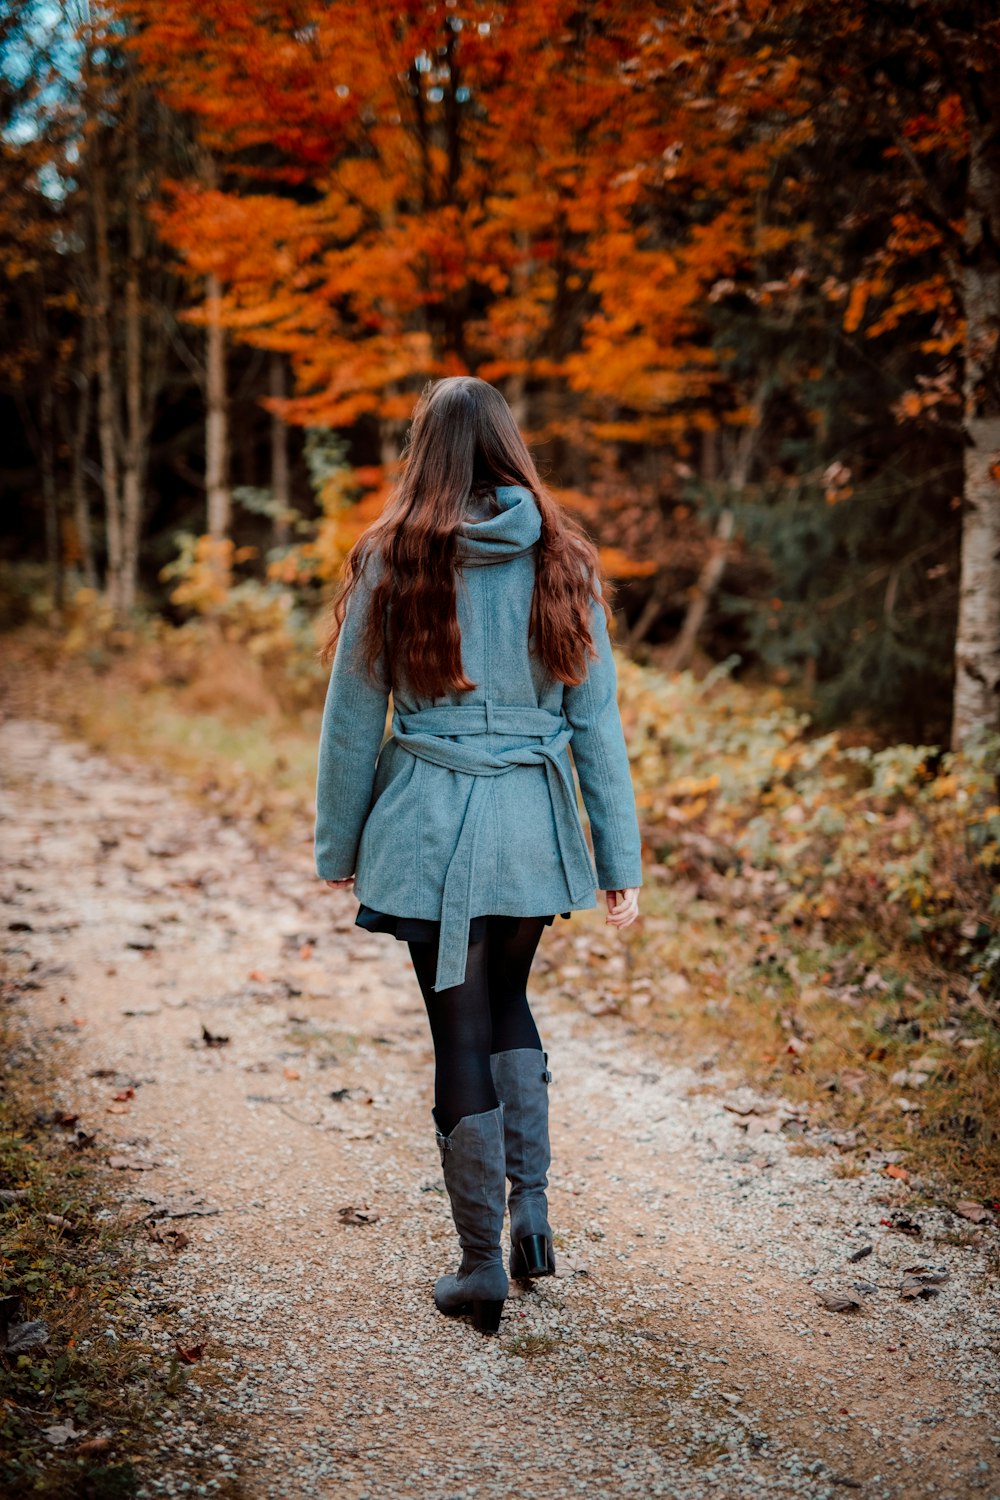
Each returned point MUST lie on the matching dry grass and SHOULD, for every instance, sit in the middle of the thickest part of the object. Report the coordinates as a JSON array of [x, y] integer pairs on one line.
[[826, 1021], [70, 1259], [824, 1017], [237, 751]]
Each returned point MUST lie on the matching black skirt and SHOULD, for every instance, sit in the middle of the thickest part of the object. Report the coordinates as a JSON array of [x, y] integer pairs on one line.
[[420, 929]]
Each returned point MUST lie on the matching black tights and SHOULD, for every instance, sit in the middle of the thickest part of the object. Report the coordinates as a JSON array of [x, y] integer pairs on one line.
[[488, 1013]]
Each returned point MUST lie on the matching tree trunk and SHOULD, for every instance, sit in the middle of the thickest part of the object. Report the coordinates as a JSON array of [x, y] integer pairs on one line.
[[76, 441], [106, 393], [709, 579], [217, 420], [977, 643], [46, 454], [715, 564], [134, 447], [517, 383], [280, 480], [391, 433]]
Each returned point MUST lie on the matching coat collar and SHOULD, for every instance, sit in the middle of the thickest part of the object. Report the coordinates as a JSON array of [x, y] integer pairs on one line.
[[513, 530]]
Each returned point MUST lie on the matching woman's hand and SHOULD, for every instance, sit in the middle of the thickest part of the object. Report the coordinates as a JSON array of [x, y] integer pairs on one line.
[[623, 907], [341, 885]]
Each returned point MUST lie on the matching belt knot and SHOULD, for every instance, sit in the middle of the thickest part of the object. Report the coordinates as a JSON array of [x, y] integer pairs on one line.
[[429, 734]]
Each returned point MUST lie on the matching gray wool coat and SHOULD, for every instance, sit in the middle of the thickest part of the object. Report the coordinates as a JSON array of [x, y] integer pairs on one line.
[[468, 807]]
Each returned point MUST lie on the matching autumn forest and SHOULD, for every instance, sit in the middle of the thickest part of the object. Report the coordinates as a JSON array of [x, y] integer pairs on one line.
[[734, 266]]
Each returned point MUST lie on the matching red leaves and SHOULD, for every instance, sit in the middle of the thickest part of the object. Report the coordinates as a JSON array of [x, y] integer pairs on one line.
[[190, 1354]]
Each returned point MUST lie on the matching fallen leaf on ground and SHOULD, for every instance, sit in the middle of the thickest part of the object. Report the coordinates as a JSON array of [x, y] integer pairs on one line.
[[163, 1234], [900, 1174], [211, 1039], [350, 1214], [178, 1207], [62, 1432], [921, 1281], [860, 1254], [292, 1073], [966, 1208], [116, 1109], [189, 1354], [132, 1163], [839, 1301], [903, 1225], [95, 1444]]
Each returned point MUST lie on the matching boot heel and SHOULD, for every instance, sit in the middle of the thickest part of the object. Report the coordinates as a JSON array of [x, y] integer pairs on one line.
[[531, 1257], [486, 1316]]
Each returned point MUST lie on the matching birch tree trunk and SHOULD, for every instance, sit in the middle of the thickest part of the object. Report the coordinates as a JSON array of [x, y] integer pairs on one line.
[[217, 418], [977, 643]]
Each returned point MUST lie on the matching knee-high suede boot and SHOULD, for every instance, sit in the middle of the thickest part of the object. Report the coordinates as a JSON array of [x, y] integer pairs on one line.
[[472, 1158], [521, 1078]]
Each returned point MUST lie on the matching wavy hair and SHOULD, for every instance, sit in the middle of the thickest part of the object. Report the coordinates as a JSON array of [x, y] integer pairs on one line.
[[463, 439]]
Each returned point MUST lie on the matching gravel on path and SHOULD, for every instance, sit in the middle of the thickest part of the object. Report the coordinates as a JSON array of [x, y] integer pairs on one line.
[[684, 1349]]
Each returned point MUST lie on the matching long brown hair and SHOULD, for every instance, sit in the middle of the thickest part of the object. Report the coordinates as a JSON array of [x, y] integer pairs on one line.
[[462, 438]]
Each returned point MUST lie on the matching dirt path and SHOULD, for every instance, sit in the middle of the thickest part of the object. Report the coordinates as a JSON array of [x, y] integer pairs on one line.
[[683, 1351]]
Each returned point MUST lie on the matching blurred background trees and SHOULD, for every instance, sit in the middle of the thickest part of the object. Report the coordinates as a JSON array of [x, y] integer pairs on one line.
[[737, 269]]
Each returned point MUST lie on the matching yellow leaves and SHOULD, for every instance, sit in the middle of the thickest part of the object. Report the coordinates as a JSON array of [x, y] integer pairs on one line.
[[929, 295], [617, 564], [743, 416], [856, 304], [695, 790], [934, 390], [204, 572], [15, 265]]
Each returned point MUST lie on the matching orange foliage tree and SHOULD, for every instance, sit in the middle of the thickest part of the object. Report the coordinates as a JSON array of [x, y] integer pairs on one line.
[[422, 189], [562, 197]]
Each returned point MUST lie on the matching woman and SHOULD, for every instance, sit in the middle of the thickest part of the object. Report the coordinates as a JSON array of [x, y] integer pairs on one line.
[[478, 606]]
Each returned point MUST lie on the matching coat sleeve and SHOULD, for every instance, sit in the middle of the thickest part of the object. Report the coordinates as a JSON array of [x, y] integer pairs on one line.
[[601, 761], [350, 739]]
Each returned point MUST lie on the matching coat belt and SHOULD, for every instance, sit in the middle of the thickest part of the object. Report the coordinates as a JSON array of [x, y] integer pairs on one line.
[[425, 735]]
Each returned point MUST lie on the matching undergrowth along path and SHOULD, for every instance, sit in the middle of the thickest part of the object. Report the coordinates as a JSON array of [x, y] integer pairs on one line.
[[282, 1070]]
